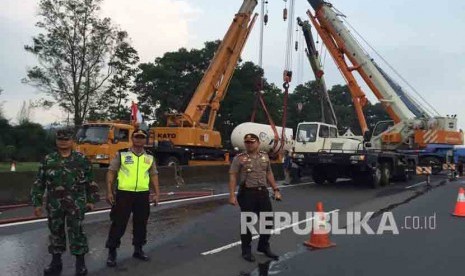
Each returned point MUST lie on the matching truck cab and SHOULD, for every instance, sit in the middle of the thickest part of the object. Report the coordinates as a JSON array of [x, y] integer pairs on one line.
[[100, 141], [314, 137]]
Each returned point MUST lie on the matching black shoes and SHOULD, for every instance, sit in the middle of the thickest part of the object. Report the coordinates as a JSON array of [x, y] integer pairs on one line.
[[248, 256], [267, 252], [140, 254], [81, 268], [111, 260], [55, 267]]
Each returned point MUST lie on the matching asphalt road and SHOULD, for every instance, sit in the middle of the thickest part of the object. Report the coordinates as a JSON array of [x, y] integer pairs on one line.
[[430, 242], [199, 237]]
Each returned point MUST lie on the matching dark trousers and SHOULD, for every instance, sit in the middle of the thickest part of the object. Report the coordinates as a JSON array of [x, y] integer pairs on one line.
[[253, 200], [126, 202]]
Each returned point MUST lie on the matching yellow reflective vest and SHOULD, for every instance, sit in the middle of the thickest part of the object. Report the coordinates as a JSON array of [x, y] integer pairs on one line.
[[133, 174]]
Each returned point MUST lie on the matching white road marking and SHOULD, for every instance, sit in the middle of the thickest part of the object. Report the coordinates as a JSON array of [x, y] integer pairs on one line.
[[231, 245], [415, 185], [161, 203]]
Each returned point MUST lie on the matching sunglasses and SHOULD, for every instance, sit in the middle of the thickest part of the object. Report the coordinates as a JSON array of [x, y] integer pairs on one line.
[[63, 139], [139, 136], [249, 142]]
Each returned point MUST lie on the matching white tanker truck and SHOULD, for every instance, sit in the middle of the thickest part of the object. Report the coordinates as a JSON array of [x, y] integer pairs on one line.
[[266, 136]]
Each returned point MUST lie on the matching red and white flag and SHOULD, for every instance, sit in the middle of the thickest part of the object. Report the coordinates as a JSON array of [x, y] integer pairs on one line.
[[136, 116]]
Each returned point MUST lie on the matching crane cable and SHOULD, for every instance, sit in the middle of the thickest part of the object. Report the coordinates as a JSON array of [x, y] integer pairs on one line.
[[287, 75], [301, 58], [259, 84], [392, 68]]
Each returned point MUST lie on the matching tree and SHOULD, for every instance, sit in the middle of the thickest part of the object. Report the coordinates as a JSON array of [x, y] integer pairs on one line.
[[114, 103], [24, 114], [168, 84], [78, 53], [238, 104], [1, 106], [308, 96], [341, 99], [32, 142]]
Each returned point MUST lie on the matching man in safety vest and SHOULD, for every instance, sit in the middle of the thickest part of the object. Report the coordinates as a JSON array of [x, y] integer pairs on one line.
[[136, 170]]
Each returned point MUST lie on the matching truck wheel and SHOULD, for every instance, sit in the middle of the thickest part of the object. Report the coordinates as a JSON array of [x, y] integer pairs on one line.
[[171, 161], [385, 174], [435, 163], [318, 177], [331, 179], [375, 178], [409, 172]]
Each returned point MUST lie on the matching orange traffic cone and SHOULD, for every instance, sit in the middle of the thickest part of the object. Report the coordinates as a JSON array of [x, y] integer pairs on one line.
[[13, 166], [460, 206], [319, 239]]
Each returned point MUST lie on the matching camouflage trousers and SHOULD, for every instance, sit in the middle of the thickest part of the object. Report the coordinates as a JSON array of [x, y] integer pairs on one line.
[[57, 220]]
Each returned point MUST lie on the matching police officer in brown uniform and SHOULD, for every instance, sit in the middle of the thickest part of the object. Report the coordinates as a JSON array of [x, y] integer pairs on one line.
[[253, 170]]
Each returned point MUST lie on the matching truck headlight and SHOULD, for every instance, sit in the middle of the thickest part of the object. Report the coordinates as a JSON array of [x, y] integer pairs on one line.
[[357, 157], [102, 156], [298, 156]]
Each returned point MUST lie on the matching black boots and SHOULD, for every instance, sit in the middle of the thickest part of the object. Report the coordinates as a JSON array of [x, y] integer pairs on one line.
[[247, 254], [55, 267], [267, 252], [81, 268], [111, 260], [140, 254]]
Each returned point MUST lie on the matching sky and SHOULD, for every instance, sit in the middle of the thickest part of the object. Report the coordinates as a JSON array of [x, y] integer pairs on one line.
[[423, 40]]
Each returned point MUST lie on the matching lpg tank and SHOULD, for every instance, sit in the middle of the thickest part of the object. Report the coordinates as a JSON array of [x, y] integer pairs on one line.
[[264, 132]]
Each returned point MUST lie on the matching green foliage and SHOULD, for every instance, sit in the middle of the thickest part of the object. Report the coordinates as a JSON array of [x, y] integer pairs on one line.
[[20, 166], [114, 103], [1, 106], [307, 95], [24, 114], [79, 53], [24, 142], [239, 102], [168, 84], [341, 99]]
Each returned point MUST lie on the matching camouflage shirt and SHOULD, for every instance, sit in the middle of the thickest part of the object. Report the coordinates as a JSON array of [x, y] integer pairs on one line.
[[65, 177]]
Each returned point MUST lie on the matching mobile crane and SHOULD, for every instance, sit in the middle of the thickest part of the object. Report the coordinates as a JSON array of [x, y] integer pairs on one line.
[[186, 139], [389, 152], [327, 111]]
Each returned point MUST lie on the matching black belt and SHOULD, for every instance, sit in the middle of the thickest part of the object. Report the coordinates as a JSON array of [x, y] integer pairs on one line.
[[260, 188]]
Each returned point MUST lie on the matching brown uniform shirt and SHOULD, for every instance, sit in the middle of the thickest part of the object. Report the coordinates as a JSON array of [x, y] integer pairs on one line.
[[115, 163], [252, 169]]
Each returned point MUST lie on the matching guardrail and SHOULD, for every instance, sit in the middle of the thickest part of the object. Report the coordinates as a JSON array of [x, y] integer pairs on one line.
[[15, 186]]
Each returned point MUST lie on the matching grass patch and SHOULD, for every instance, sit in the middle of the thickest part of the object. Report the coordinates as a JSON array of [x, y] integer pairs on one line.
[[26, 166], [20, 166]]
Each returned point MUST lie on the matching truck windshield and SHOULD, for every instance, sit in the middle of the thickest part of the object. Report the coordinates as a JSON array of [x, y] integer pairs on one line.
[[307, 132], [94, 134]]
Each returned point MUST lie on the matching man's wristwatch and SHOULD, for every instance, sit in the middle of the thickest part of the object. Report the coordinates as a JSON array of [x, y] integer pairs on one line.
[[276, 190]]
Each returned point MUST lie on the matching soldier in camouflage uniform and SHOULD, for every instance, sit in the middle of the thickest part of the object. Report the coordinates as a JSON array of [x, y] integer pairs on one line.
[[67, 177]]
